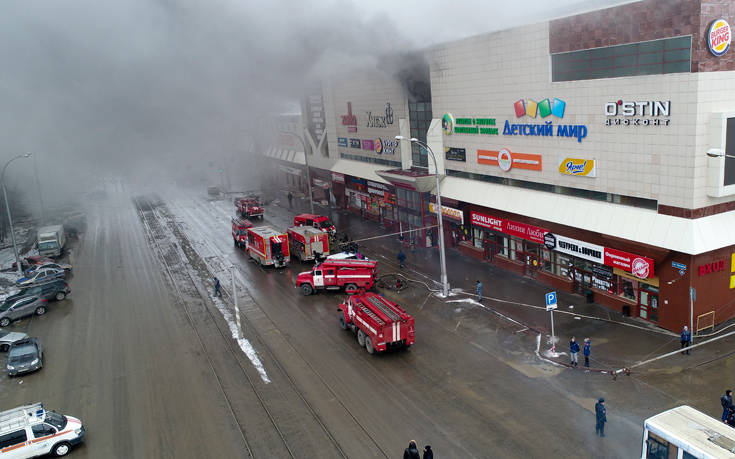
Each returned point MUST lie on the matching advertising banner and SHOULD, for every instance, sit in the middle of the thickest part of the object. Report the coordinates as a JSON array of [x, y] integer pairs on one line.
[[513, 228]]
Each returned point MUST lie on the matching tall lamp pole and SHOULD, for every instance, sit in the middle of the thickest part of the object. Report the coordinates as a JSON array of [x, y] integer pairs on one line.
[[439, 217], [306, 162], [7, 207]]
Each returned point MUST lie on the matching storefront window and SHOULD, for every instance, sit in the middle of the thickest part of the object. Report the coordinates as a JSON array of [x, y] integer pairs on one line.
[[628, 288], [547, 262], [563, 263]]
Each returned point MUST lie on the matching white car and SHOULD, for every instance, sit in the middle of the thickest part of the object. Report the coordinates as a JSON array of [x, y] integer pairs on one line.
[[42, 275], [32, 431]]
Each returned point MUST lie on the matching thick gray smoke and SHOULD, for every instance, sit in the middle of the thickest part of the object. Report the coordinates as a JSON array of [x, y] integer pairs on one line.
[[150, 87]]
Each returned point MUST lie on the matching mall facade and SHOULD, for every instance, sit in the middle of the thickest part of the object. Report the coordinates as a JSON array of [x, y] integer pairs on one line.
[[586, 152]]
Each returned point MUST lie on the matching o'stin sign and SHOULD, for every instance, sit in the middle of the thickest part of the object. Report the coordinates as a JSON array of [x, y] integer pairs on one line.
[[719, 36]]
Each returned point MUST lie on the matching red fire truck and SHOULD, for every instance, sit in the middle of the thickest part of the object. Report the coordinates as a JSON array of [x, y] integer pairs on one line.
[[308, 243], [240, 231], [268, 246], [337, 274], [319, 222], [379, 322], [249, 208]]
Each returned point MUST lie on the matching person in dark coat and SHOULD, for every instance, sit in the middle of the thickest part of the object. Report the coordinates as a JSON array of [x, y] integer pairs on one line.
[[586, 352], [727, 407], [686, 339], [601, 416], [290, 200], [428, 453], [573, 350], [401, 258], [412, 452], [479, 291], [217, 291]]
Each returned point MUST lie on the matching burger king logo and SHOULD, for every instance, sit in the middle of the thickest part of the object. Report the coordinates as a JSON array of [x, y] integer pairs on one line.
[[378, 146], [719, 37], [447, 123]]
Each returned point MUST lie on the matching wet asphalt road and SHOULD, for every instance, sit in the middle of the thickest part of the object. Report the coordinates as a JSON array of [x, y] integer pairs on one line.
[[143, 356]]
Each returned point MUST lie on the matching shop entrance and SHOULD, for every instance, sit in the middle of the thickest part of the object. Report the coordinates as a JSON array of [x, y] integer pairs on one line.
[[649, 305], [531, 257]]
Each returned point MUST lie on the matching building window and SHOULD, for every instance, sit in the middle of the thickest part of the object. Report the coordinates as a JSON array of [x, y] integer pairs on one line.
[[368, 159], [419, 117], [655, 57]]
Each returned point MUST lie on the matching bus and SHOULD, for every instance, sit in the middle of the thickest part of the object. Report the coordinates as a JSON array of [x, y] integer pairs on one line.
[[685, 433]]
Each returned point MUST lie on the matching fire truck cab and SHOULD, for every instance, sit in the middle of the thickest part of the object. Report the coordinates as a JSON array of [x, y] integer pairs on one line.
[[338, 274], [268, 246], [240, 231], [308, 243], [319, 222], [249, 208], [378, 322]]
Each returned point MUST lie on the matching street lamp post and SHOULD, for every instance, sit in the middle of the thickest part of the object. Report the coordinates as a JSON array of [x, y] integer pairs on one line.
[[7, 207], [717, 153], [442, 260], [306, 163]]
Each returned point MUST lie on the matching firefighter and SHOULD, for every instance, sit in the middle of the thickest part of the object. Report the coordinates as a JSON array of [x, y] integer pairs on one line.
[[401, 258]]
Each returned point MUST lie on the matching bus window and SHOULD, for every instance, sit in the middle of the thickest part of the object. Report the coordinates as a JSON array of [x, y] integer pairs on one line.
[[658, 448]]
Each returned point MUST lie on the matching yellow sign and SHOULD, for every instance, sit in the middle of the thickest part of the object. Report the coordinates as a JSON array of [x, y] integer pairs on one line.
[[577, 166], [448, 212]]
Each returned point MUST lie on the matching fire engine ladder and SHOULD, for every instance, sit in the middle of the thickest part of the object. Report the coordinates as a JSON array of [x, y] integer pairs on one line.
[[370, 314], [386, 310]]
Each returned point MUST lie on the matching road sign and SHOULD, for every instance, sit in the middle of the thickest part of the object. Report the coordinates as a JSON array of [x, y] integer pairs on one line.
[[550, 301], [678, 265], [693, 293], [681, 272]]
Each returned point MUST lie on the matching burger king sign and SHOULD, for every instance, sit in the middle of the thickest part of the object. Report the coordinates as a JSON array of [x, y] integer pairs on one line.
[[719, 36]]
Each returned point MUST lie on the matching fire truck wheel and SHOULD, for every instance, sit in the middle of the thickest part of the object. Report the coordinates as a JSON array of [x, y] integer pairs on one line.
[[369, 345], [361, 338], [306, 289], [350, 287], [342, 321]]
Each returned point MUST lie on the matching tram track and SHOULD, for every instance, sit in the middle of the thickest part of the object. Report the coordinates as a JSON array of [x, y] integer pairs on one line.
[[294, 349], [284, 419]]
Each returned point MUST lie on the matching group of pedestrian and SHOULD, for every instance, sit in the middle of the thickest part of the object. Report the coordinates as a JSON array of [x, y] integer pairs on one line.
[[574, 350], [412, 452]]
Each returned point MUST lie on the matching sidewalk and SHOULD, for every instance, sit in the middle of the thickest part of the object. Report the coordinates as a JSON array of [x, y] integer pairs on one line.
[[616, 341]]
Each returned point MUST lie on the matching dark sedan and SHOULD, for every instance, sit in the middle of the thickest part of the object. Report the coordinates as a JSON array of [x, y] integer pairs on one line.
[[25, 356]]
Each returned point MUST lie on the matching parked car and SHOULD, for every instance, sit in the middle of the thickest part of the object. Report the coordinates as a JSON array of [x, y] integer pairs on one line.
[[55, 289], [21, 308], [29, 262], [25, 356], [55, 265], [8, 338], [42, 275]]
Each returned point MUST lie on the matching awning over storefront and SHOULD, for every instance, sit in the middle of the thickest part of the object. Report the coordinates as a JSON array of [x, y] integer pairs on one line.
[[358, 169], [415, 178], [691, 236]]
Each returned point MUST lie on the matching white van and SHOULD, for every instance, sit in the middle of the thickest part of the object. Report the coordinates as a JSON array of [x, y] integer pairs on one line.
[[31, 431]]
